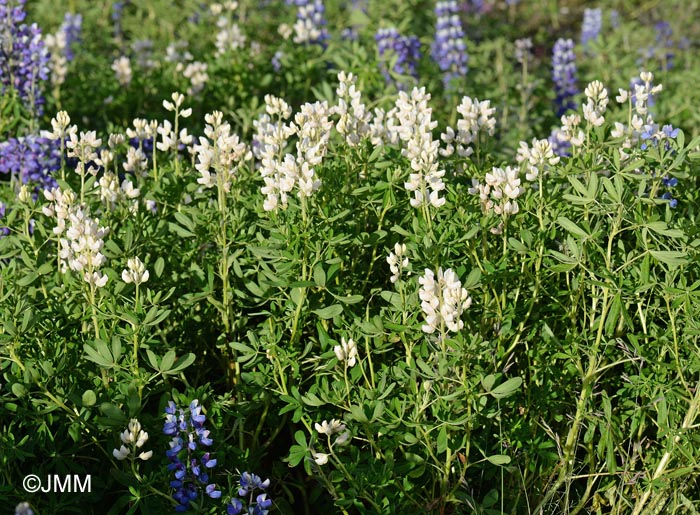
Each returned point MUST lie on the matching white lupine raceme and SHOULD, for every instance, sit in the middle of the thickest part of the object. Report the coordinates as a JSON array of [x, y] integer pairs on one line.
[[122, 70], [62, 203], [135, 272], [443, 301], [346, 352], [136, 162], [354, 122], [230, 37], [596, 103], [536, 158], [61, 127], [135, 438], [196, 73], [570, 130], [219, 154], [500, 191], [398, 261], [112, 193], [80, 249], [415, 130], [269, 144], [84, 148], [477, 117]]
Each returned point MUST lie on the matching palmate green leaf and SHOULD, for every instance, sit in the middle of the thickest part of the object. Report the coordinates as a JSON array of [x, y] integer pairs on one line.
[[100, 355]]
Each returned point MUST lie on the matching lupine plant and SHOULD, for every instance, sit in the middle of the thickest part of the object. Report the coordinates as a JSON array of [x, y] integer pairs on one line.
[[288, 238]]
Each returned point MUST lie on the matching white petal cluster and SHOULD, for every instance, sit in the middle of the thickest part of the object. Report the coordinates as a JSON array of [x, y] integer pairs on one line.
[[313, 130], [320, 458], [415, 128], [135, 272], [196, 73], [80, 249], [58, 64], [639, 117], [283, 172], [330, 428], [596, 103], [230, 37], [536, 158], [500, 191], [346, 352], [136, 162], [112, 193], [62, 204], [122, 70], [61, 127], [355, 119], [170, 140], [269, 144], [143, 129], [570, 130], [84, 148], [398, 261], [135, 438], [477, 117], [383, 129], [443, 300], [219, 153]]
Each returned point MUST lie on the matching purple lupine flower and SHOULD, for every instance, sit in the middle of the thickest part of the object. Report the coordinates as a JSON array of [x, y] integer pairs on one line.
[[71, 27], [592, 25], [651, 135], [4, 231], [310, 26], [449, 49], [31, 160], [663, 47], [614, 19], [24, 58], [564, 75], [277, 61], [406, 49], [187, 430], [249, 485]]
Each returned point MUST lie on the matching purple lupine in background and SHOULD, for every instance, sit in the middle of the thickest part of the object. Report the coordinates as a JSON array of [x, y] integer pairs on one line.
[[406, 49], [72, 27], [449, 49], [614, 19], [188, 433], [352, 33], [4, 231], [117, 12], [592, 25], [277, 61], [24, 58], [564, 75], [310, 26], [31, 160]]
